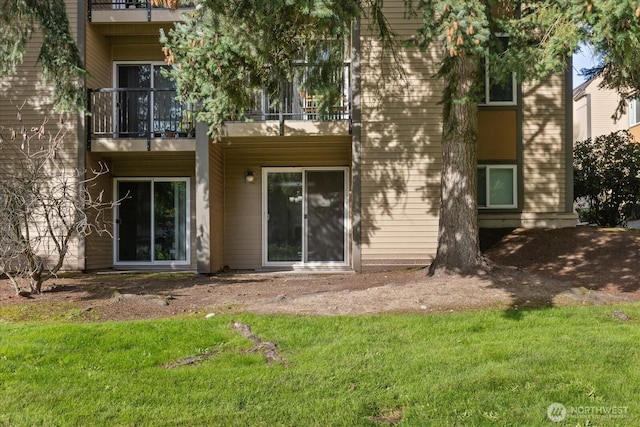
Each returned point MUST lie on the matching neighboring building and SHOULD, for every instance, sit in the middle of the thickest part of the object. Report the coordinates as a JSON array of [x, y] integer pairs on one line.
[[287, 190], [594, 112]]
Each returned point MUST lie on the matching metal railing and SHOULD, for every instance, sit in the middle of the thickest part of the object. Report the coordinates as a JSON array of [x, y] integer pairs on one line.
[[127, 5], [138, 113], [155, 113], [296, 101]]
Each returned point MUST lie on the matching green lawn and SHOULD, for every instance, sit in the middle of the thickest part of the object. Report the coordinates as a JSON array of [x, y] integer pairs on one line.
[[480, 368]]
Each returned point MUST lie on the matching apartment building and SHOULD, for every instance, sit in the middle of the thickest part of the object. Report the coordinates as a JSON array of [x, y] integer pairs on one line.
[[289, 188]]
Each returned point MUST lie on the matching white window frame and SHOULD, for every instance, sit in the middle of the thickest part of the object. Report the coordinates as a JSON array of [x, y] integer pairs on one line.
[[488, 168], [265, 219], [116, 228], [633, 110], [487, 84]]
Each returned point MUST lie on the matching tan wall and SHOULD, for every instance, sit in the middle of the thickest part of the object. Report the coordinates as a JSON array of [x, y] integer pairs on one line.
[[99, 246], [98, 59], [25, 89], [401, 154], [216, 208], [544, 149], [243, 201], [601, 104], [497, 135], [635, 132], [581, 119], [136, 48]]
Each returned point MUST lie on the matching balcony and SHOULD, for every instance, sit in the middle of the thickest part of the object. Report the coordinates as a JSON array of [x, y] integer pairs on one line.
[[297, 110], [114, 11], [153, 115], [140, 118]]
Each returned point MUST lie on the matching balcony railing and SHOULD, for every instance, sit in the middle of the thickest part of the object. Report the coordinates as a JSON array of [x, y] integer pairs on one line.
[[155, 113], [138, 113], [100, 5], [297, 102]]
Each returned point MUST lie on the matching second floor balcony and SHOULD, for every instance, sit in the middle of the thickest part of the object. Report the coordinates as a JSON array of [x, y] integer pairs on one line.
[[114, 11], [152, 114]]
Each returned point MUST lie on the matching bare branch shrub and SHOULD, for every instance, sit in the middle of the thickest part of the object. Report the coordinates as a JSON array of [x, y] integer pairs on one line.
[[44, 204]]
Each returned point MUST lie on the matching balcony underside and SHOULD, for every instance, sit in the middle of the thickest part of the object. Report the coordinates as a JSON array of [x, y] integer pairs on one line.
[[105, 144], [102, 144], [288, 128]]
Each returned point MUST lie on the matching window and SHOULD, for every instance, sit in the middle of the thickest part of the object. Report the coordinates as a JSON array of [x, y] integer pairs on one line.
[[499, 92], [152, 221], [146, 102], [497, 186], [634, 112]]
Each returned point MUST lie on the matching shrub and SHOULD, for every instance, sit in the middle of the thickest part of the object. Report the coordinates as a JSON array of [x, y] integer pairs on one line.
[[606, 172]]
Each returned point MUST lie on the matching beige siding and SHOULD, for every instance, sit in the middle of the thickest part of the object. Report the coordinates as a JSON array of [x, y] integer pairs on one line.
[[25, 89], [136, 48], [581, 113], [216, 200], [544, 149], [401, 154], [243, 201], [99, 246], [594, 111], [98, 59]]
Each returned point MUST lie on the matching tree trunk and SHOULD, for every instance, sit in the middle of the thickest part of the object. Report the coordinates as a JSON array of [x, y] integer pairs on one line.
[[458, 241]]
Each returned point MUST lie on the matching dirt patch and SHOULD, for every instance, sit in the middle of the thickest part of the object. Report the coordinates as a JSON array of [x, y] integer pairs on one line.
[[534, 268]]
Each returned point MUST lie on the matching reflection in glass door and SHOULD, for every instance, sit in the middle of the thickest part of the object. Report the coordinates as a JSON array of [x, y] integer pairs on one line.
[[284, 212], [325, 229], [305, 216], [152, 224]]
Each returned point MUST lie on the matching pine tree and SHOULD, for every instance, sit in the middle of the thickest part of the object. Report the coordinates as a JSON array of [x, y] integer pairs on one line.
[[226, 49], [59, 57]]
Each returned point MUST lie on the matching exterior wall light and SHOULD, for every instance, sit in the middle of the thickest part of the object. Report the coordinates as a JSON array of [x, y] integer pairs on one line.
[[249, 177]]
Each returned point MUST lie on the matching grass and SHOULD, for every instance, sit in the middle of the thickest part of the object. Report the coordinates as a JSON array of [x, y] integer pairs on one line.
[[480, 368]]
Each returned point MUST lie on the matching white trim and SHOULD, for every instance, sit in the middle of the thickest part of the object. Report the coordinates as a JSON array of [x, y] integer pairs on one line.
[[514, 169], [304, 210], [116, 228], [633, 112], [487, 83]]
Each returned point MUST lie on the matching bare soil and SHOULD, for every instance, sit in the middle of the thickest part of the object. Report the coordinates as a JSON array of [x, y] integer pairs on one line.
[[530, 269]]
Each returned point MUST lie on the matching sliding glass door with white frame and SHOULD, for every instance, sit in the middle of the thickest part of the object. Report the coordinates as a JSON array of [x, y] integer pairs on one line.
[[152, 221], [305, 216]]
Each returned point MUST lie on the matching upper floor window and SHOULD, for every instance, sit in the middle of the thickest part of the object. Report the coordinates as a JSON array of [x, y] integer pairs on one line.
[[634, 112], [499, 92]]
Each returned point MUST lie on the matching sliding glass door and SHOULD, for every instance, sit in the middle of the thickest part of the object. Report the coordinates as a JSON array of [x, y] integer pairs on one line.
[[152, 221], [146, 102], [305, 216]]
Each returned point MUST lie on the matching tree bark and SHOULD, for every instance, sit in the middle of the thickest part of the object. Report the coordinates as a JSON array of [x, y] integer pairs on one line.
[[458, 237]]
